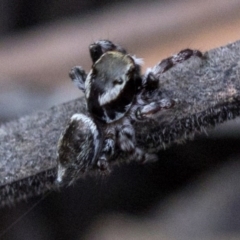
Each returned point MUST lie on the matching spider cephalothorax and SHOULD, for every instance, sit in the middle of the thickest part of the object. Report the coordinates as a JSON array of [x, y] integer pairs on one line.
[[117, 95], [110, 86]]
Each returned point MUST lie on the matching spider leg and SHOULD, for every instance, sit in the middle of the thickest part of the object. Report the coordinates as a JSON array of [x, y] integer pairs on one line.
[[151, 77], [150, 81], [182, 56], [106, 153], [107, 150], [148, 110], [127, 143], [78, 76]]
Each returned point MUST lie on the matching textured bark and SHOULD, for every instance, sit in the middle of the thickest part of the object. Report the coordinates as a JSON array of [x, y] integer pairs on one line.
[[207, 92]]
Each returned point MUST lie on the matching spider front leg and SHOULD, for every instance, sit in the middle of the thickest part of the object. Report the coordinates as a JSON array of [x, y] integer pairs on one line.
[[78, 76], [152, 108]]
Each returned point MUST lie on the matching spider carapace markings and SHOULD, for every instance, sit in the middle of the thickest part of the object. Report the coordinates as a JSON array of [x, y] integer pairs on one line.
[[117, 95]]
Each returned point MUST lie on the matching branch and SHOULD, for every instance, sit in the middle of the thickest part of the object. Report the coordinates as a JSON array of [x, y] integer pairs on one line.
[[208, 93]]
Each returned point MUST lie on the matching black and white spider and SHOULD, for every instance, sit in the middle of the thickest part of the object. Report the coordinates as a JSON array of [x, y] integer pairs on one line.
[[117, 95]]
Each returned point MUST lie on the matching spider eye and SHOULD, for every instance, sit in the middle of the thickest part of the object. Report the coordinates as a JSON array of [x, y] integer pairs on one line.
[[117, 81]]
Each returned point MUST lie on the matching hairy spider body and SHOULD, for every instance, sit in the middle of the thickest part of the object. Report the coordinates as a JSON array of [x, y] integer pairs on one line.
[[117, 95]]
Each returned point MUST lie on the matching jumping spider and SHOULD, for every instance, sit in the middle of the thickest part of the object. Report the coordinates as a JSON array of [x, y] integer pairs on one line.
[[117, 95]]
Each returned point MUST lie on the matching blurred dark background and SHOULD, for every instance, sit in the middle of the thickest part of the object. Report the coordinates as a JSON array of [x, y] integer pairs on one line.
[[193, 192], [18, 15]]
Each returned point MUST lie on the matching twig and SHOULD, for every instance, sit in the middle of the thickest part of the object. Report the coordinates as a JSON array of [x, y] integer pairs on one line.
[[208, 93]]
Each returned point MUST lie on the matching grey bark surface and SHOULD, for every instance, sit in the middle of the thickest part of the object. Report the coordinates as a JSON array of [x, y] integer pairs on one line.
[[207, 92]]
